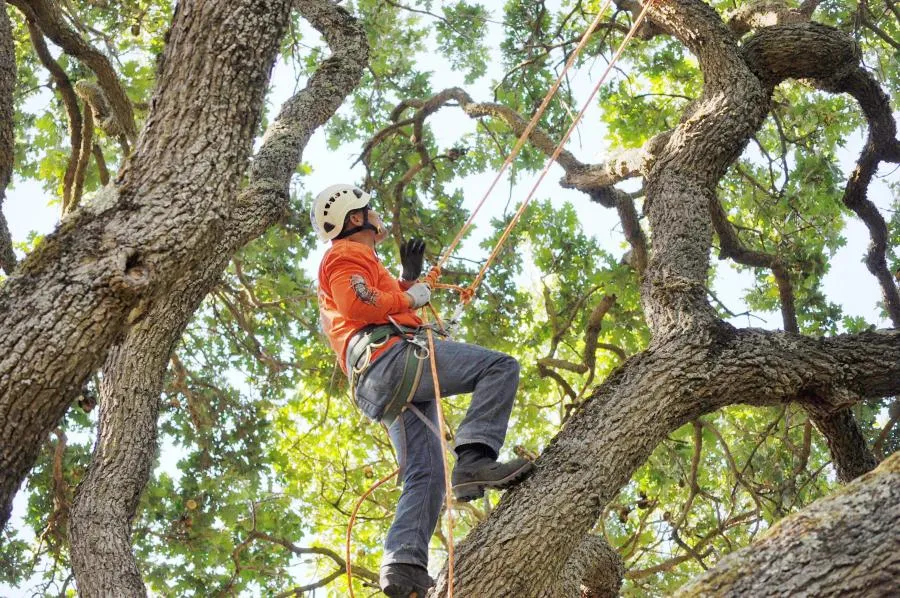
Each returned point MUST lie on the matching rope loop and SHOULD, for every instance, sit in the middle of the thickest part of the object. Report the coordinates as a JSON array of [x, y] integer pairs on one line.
[[431, 279]]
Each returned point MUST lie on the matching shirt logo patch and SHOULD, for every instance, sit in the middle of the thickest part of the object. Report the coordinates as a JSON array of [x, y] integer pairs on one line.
[[362, 290]]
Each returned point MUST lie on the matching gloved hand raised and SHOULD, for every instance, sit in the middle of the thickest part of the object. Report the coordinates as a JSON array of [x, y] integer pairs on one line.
[[412, 256], [419, 295]]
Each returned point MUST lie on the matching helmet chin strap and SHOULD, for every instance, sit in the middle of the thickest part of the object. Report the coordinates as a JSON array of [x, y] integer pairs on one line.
[[366, 225]]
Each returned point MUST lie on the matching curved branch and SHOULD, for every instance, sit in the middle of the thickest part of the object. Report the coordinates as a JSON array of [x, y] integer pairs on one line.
[[358, 571], [831, 60], [464, 101], [82, 163], [50, 19], [70, 101], [730, 246], [652, 394], [596, 180]]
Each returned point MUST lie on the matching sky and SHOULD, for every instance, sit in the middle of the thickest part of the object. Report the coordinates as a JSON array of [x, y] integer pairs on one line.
[[29, 209]]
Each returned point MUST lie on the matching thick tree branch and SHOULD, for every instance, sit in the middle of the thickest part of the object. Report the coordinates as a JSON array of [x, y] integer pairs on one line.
[[843, 544], [831, 59], [50, 19], [656, 392], [850, 453], [7, 141], [683, 178], [849, 450]]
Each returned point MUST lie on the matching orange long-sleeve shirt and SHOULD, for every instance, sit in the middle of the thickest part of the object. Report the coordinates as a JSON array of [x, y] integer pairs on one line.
[[356, 290]]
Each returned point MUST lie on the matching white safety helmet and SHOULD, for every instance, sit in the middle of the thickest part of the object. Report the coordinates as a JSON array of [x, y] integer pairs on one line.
[[331, 207]]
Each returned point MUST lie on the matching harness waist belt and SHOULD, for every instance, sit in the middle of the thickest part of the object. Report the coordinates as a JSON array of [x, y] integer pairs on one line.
[[360, 345], [359, 356]]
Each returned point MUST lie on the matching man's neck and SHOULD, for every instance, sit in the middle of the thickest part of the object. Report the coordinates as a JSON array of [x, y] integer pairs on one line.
[[366, 237]]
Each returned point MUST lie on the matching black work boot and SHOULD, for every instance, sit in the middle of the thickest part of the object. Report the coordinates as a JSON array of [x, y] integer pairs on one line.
[[404, 580], [477, 469]]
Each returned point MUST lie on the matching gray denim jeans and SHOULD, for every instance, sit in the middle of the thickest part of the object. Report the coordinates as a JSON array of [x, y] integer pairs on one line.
[[490, 376]]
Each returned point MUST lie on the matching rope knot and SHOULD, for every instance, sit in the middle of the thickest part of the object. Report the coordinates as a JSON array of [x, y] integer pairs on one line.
[[432, 277]]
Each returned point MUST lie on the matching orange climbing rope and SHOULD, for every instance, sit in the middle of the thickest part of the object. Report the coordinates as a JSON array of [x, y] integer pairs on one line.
[[353, 520], [447, 486], [467, 293], [520, 142]]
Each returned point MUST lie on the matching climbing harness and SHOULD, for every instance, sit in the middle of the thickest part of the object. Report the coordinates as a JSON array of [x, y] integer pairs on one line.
[[359, 357], [467, 293]]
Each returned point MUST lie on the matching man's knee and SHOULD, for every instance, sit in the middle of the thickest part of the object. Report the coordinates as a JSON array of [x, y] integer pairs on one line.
[[510, 364]]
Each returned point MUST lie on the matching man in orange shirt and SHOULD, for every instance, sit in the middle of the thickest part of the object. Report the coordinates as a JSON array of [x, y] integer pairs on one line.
[[370, 320]]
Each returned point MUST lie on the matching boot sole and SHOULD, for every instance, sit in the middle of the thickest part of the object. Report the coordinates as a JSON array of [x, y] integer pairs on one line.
[[397, 591], [468, 491]]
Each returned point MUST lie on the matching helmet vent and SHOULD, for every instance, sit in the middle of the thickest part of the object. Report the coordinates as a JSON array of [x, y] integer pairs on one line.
[[357, 193], [328, 227]]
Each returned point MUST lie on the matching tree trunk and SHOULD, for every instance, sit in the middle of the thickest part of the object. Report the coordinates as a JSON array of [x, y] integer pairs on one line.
[[76, 294], [7, 141], [106, 500], [105, 503], [845, 544]]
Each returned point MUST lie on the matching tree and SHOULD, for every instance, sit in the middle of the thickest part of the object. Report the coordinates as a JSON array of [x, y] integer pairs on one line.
[[114, 289]]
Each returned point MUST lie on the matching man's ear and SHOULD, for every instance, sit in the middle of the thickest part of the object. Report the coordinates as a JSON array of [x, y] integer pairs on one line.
[[356, 218]]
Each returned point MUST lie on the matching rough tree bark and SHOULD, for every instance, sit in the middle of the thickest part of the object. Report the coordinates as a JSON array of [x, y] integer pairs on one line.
[[7, 142], [695, 363], [73, 297], [105, 502], [593, 570], [817, 551]]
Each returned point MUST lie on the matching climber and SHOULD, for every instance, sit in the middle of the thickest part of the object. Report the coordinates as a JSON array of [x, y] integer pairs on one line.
[[369, 318]]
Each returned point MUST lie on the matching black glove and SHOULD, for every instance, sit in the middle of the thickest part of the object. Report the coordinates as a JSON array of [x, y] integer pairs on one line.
[[412, 256]]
